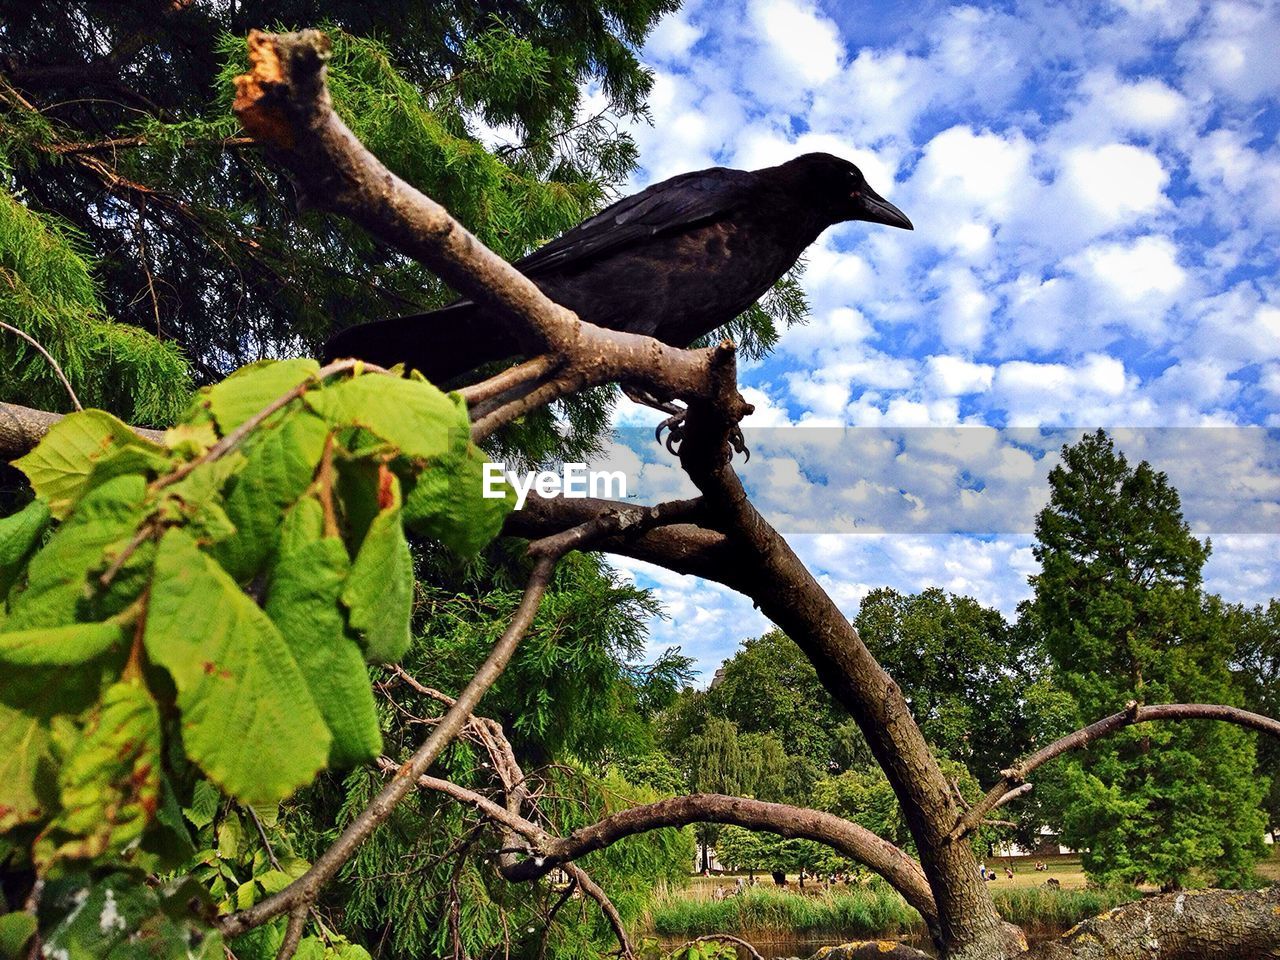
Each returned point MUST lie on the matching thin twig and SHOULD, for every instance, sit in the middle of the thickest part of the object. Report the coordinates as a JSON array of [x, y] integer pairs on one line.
[[726, 938], [508, 379], [305, 889], [237, 436], [75, 401]]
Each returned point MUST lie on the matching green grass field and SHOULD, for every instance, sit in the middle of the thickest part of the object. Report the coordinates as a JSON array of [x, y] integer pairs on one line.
[[849, 913], [769, 912]]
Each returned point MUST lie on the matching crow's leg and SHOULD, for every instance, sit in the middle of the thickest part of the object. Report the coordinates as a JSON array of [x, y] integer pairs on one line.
[[673, 426]]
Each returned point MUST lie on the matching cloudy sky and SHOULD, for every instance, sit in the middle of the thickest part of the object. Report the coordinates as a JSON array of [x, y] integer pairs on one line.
[[1096, 195]]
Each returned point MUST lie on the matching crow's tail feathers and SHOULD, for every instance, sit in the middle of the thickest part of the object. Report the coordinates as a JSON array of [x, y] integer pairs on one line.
[[443, 345]]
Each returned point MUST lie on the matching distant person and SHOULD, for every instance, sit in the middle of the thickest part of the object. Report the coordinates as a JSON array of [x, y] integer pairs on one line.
[[1008, 872]]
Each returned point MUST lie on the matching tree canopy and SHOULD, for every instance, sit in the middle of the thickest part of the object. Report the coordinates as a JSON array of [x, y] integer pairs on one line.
[[1119, 605]]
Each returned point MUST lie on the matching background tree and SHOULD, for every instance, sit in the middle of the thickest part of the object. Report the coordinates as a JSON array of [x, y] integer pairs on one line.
[[1255, 637], [1119, 607], [966, 673], [117, 132], [149, 246]]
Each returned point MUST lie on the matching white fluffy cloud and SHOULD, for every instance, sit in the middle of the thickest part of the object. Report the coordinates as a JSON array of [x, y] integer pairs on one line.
[[1096, 194]]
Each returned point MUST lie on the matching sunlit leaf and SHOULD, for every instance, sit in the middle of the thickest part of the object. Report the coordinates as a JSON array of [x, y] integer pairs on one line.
[[60, 465], [18, 536], [251, 388], [379, 591], [109, 783], [248, 718], [412, 414], [306, 582]]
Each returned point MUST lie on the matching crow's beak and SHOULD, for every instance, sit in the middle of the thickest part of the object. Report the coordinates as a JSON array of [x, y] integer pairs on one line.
[[876, 209]]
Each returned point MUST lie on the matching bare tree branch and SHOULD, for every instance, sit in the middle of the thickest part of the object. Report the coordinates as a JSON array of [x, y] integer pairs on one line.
[[593, 890], [305, 889], [1005, 790], [284, 104]]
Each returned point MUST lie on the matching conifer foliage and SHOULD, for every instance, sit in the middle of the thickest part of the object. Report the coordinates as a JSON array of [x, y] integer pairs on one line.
[[1120, 605]]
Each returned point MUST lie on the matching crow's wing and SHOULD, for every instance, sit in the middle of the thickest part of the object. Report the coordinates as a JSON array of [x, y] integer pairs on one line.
[[668, 207]]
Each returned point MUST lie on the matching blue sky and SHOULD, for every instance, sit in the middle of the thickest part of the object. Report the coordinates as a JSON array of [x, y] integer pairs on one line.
[[1096, 194]]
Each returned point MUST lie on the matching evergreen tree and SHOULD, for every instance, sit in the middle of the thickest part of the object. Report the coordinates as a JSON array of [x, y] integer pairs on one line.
[[116, 125], [1255, 636], [1119, 608]]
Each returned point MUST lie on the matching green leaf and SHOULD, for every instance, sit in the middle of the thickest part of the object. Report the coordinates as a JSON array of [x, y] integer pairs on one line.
[[303, 603], [65, 646], [19, 535], [56, 587], [110, 778], [251, 388], [230, 837], [446, 502], [351, 951], [204, 804], [27, 782], [16, 930], [196, 499], [59, 467], [260, 943], [248, 718], [282, 456], [145, 461], [379, 591], [413, 415], [123, 918]]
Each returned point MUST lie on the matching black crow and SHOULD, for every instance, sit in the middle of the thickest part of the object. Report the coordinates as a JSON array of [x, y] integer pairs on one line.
[[675, 261]]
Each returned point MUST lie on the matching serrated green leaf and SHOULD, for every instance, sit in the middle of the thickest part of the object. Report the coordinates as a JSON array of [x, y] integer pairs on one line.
[[447, 504], [379, 590], [260, 943], [248, 719], [282, 456], [413, 415], [230, 837], [251, 388], [16, 930], [109, 784], [56, 576], [204, 804], [28, 783], [19, 535], [196, 499], [310, 948], [66, 646], [273, 881], [351, 951], [302, 601], [59, 467], [191, 439]]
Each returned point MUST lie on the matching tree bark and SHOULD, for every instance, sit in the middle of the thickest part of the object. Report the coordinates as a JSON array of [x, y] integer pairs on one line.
[[1192, 925]]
